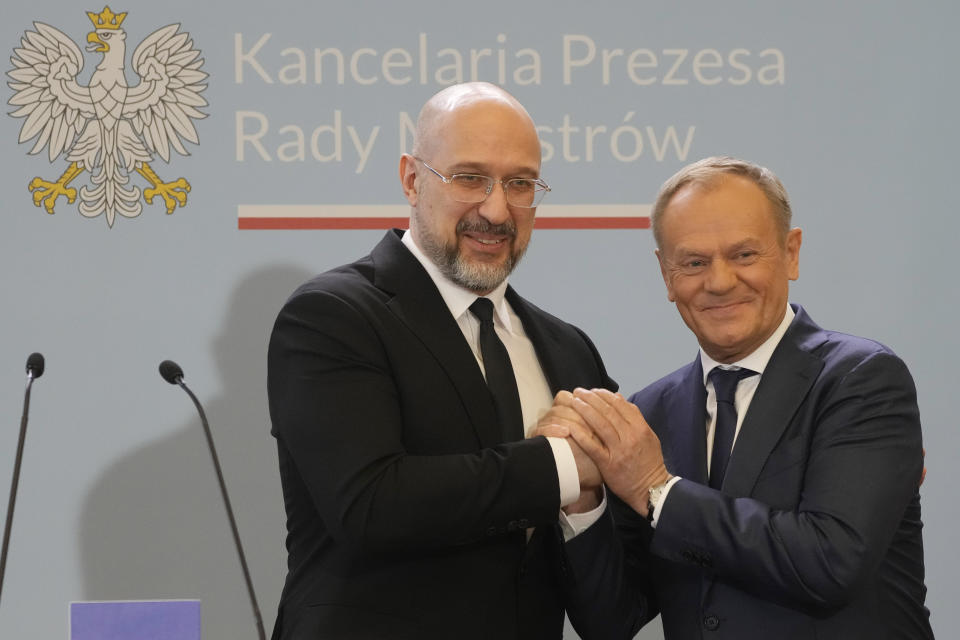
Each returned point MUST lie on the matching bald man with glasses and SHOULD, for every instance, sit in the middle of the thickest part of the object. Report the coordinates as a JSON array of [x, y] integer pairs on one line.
[[404, 392]]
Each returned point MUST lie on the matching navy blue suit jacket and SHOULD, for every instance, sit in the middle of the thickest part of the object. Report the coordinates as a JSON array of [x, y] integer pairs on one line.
[[406, 510], [816, 532]]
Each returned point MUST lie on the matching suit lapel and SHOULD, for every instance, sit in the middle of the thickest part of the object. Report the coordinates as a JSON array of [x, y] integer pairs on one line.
[[417, 304], [547, 345], [787, 379], [685, 413]]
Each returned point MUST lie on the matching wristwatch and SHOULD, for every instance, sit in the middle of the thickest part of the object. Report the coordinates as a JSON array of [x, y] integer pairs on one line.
[[653, 499]]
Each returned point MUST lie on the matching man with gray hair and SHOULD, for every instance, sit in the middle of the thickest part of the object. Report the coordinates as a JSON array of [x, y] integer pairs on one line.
[[768, 489], [402, 390]]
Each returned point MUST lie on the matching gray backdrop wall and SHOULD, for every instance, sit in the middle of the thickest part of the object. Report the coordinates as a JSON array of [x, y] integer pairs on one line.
[[853, 104]]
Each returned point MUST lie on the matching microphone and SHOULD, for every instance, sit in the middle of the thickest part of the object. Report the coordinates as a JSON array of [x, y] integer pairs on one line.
[[172, 373], [35, 365]]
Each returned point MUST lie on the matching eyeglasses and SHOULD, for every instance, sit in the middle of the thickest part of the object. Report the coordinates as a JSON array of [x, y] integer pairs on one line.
[[472, 188]]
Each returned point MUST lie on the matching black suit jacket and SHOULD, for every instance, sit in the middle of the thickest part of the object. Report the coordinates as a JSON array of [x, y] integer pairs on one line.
[[816, 532], [406, 513]]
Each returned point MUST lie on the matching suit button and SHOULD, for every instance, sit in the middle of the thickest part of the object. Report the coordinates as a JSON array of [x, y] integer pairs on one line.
[[711, 623]]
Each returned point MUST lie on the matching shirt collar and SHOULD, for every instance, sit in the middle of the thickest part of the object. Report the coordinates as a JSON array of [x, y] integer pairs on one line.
[[457, 298], [756, 361]]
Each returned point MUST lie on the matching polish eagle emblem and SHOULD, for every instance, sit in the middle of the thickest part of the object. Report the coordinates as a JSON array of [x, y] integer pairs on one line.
[[108, 128]]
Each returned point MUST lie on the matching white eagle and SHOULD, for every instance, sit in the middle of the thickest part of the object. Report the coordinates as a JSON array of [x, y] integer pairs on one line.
[[108, 128]]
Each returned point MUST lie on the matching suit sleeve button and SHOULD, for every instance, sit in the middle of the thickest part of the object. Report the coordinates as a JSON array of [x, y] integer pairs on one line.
[[711, 622]]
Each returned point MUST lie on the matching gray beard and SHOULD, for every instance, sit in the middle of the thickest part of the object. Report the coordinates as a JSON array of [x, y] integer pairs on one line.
[[476, 277]]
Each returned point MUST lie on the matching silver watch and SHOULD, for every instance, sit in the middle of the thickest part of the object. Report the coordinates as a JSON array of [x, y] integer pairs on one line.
[[653, 498]]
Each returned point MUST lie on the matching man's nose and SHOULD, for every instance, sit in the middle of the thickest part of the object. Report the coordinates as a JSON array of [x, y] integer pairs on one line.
[[721, 277], [495, 208]]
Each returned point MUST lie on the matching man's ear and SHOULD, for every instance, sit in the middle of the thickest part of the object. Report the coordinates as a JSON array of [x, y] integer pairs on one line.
[[666, 276], [792, 246], [408, 178]]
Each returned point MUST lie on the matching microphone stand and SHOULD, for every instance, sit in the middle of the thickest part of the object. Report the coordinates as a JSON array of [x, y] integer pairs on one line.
[[16, 478], [226, 499]]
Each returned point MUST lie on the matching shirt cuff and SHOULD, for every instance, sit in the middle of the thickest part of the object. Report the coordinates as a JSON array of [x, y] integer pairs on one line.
[[663, 498], [567, 474], [573, 524]]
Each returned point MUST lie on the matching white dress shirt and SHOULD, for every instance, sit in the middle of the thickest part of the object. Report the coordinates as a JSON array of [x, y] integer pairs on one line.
[[535, 395]]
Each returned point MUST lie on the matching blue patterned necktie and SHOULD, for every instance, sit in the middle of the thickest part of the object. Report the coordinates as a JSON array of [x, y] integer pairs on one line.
[[725, 385]]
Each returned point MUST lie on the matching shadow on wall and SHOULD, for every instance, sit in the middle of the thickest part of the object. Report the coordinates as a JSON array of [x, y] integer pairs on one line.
[[154, 525]]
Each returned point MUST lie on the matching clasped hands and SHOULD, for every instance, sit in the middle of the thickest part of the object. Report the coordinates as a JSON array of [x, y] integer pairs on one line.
[[611, 444]]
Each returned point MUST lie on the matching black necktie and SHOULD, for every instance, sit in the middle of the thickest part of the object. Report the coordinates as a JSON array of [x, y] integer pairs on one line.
[[725, 385], [500, 379]]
